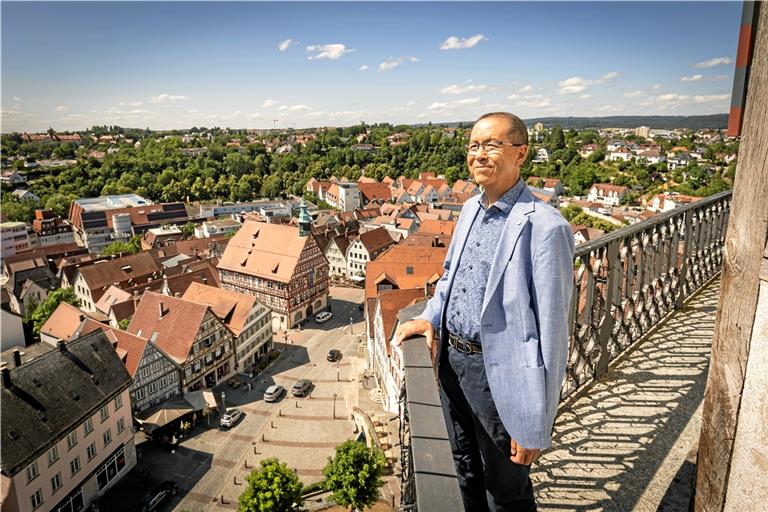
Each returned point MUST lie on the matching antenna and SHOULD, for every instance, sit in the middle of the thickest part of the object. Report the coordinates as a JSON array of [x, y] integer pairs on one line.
[[274, 123]]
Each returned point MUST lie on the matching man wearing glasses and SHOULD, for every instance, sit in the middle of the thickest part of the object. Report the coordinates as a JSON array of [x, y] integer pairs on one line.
[[501, 310]]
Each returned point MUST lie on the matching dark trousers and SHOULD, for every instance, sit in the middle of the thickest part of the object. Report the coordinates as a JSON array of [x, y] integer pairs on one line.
[[488, 480]]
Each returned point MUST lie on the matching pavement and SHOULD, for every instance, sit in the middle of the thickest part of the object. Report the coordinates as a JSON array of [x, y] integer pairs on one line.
[[211, 464], [629, 443]]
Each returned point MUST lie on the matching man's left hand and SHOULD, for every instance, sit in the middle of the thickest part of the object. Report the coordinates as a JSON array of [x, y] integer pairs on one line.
[[520, 455]]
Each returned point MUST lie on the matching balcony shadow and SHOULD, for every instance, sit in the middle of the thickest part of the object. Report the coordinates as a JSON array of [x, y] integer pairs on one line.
[[619, 446]]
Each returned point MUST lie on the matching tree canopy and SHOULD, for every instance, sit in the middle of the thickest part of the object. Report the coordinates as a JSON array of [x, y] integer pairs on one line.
[[45, 309], [353, 475], [272, 488]]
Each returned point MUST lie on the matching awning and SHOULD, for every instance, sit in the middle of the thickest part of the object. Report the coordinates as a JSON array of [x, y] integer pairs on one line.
[[200, 399], [161, 415]]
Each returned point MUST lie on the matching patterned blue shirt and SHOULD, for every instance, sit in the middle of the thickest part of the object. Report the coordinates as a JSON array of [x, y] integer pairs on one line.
[[466, 297]]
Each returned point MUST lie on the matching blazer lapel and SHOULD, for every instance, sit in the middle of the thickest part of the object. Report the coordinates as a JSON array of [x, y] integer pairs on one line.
[[516, 221]]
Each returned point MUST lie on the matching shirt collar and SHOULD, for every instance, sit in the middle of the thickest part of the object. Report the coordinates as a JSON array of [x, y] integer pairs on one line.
[[508, 200]]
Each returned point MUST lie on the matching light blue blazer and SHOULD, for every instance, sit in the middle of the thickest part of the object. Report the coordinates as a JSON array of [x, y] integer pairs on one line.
[[524, 318]]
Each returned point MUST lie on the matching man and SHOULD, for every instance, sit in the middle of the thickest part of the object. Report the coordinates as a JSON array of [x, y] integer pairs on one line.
[[501, 309]]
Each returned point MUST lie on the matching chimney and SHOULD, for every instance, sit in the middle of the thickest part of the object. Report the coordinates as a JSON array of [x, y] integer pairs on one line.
[[62, 346], [177, 294], [135, 299], [6, 378], [16, 358], [160, 308], [437, 241]]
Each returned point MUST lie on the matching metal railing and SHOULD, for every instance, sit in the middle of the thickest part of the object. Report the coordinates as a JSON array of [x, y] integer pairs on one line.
[[625, 284]]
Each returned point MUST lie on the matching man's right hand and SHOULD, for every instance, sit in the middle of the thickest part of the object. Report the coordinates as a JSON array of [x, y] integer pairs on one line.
[[419, 327]]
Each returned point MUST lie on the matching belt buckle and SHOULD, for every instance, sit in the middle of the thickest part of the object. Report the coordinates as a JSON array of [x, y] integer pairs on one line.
[[462, 347]]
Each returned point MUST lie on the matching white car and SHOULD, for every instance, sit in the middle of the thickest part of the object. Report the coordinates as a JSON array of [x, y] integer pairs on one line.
[[323, 317], [230, 417]]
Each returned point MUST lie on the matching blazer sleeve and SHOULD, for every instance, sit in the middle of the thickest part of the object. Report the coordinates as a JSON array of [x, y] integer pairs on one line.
[[434, 306], [552, 290]]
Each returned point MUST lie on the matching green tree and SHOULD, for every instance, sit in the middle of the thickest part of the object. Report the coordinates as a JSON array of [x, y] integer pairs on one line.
[[188, 229], [273, 488], [132, 246], [557, 140], [353, 475], [46, 308]]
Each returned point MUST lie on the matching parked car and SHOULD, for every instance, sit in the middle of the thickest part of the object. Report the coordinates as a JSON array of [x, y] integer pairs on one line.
[[333, 355], [273, 393], [158, 495], [323, 317], [301, 387], [230, 417]]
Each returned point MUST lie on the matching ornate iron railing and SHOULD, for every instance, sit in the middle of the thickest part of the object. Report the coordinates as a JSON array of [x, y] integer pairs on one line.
[[626, 283]]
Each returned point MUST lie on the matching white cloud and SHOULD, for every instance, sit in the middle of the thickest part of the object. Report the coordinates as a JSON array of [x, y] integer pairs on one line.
[[455, 43], [269, 103], [672, 97], [656, 87], [75, 117], [610, 75], [284, 45], [573, 85], [193, 111], [585, 96], [634, 94], [364, 67], [293, 108], [717, 61], [458, 89], [531, 101], [526, 88], [62, 109], [712, 98], [327, 51], [720, 77], [16, 98], [130, 103], [166, 98], [393, 62], [255, 115], [453, 104], [692, 78]]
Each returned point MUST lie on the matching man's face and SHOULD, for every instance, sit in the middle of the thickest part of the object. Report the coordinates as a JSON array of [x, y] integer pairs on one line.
[[497, 168]]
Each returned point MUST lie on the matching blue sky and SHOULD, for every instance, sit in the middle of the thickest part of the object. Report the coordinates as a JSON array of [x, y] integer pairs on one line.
[[245, 65]]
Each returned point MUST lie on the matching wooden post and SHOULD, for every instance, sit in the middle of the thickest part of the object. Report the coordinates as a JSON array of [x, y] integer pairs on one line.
[[744, 245]]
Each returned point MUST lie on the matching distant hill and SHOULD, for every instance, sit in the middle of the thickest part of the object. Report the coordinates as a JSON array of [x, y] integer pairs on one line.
[[716, 121]]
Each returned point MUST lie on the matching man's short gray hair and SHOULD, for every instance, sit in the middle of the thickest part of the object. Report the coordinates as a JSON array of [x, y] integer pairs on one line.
[[518, 133]]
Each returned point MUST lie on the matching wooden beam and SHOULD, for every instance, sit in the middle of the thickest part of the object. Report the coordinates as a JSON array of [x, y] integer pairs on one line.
[[745, 240]]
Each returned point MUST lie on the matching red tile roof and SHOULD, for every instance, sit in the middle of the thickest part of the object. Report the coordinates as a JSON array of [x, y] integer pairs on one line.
[[231, 307]]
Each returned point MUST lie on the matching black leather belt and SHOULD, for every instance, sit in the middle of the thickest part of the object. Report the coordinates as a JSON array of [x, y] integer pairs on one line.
[[466, 347]]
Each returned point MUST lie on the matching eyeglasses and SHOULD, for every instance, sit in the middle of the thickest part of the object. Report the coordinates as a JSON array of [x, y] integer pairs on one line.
[[492, 146]]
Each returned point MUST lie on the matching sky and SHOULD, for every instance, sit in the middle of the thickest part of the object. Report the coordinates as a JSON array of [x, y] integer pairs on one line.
[[291, 64]]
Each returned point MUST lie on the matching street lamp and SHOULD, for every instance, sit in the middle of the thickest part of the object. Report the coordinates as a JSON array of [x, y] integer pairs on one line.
[[223, 403], [337, 372], [350, 325], [334, 406]]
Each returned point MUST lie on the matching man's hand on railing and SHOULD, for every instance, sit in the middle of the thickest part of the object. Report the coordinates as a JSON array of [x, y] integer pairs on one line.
[[520, 455], [418, 327]]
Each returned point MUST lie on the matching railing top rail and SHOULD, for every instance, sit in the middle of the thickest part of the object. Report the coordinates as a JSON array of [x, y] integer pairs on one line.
[[624, 232]]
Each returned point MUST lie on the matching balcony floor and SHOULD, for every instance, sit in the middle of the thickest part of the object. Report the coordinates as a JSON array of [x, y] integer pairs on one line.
[[628, 443]]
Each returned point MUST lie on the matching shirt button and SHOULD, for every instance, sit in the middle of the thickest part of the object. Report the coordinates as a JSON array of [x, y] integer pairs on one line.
[[477, 244], [470, 267], [463, 290]]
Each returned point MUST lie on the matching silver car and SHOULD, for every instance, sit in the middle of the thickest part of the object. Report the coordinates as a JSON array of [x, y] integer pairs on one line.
[[230, 417], [273, 393]]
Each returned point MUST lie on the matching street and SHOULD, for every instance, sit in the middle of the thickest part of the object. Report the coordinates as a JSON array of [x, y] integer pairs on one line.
[[211, 464]]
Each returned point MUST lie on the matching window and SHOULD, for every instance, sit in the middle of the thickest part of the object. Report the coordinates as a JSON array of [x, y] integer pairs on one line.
[[107, 436], [139, 394], [91, 451], [74, 465], [118, 401], [72, 439], [56, 481], [120, 425], [152, 387], [37, 499], [110, 468], [32, 471], [88, 427], [104, 413], [53, 455]]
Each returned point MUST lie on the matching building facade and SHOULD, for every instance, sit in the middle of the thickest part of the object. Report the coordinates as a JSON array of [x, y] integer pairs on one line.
[[67, 440]]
